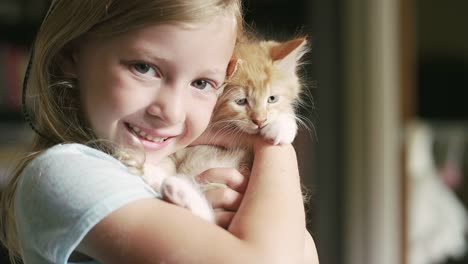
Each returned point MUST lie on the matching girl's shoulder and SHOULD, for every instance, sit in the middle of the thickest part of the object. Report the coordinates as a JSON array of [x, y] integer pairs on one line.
[[74, 167], [73, 151], [64, 161]]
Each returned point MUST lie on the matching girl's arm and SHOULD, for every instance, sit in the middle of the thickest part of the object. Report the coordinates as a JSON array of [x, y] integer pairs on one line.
[[310, 252], [267, 228], [272, 209]]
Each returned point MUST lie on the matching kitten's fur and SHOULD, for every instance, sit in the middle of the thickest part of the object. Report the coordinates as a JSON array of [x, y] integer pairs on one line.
[[260, 96]]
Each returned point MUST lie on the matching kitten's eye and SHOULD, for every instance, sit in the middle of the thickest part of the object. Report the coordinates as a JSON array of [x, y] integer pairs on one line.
[[273, 99], [145, 69], [201, 84], [242, 101]]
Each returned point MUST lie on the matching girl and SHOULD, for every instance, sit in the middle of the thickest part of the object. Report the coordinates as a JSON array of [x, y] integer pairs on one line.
[[110, 80]]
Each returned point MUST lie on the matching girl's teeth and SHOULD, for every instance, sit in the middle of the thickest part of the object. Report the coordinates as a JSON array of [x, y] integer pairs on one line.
[[147, 137]]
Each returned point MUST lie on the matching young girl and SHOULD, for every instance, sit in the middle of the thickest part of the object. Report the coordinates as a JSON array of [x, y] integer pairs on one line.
[[111, 80]]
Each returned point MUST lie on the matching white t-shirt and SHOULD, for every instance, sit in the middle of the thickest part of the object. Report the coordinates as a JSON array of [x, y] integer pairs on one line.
[[63, 193]]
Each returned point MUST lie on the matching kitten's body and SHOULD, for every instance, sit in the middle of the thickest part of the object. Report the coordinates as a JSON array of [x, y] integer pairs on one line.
[[259, 99]]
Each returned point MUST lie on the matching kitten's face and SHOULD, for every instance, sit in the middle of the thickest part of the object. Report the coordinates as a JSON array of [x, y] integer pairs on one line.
[[262, 88]]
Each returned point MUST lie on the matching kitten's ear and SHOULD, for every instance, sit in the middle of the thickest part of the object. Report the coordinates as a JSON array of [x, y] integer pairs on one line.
[[287, 54], [232, 67]]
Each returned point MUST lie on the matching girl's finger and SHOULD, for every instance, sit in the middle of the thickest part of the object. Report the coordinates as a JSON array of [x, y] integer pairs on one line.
[[223, 198], [228, 176], [224, 218]]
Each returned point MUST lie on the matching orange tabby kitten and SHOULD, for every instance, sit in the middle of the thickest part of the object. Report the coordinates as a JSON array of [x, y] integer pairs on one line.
[[259, 98]]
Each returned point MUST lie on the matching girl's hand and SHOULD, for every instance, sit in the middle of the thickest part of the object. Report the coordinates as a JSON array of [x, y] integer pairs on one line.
[[225, 189]]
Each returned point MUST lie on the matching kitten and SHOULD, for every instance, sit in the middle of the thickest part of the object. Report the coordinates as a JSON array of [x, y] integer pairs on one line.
[[259, 98]]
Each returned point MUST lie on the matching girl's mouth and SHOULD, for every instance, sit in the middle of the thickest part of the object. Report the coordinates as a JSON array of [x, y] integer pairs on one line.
[[145, 136]]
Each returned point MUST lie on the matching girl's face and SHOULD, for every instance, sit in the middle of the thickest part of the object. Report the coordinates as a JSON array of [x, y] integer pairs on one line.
[[156, 85]]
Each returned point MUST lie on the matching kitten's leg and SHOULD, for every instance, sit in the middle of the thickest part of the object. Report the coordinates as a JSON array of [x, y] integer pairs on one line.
[[177, 190], [180, 191], [154, 175], [282, 131]]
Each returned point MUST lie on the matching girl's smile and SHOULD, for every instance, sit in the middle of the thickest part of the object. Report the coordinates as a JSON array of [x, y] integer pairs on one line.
[[147, 134], [149, 139]]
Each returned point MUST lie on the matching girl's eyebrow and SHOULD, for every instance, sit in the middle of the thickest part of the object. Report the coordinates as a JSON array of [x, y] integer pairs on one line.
[[216, 74], [215, 71], [150, 54], [153, 57]]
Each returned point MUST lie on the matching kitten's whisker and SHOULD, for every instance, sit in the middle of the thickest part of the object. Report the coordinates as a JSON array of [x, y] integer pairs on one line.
[[308, 125], [303, 121], [229, 130], [306, 100], [230, 122]]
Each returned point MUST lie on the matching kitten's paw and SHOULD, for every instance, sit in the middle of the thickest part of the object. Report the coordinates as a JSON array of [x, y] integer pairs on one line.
[[282, 131], [181, 192], [154, 176]]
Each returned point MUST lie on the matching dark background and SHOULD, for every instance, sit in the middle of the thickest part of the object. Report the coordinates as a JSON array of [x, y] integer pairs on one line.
[[441, 86]]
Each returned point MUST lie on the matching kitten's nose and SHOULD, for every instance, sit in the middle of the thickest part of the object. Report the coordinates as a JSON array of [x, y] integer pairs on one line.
[[259, 123]]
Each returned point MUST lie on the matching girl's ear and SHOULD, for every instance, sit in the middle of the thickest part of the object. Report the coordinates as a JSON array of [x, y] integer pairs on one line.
[[68, 62], [288, 54]]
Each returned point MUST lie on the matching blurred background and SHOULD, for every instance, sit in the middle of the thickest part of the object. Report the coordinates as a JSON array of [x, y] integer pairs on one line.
[[386, 160]]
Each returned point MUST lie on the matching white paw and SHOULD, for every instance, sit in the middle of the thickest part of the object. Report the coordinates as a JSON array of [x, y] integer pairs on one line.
[[181, 192], [281, 131], [154, 176]]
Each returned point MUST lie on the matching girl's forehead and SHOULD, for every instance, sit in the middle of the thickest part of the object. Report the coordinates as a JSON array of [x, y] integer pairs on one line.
[[204, 48]]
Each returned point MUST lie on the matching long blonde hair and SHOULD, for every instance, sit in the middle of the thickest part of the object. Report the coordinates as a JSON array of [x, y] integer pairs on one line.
[[53, 97]]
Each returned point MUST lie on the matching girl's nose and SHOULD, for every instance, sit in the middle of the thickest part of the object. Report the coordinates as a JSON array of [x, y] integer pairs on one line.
[[168, 105]]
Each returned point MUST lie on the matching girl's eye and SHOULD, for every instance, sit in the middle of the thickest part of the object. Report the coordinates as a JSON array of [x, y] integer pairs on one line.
[[201, 84], [242, 101], [145, 69], [273, 99]]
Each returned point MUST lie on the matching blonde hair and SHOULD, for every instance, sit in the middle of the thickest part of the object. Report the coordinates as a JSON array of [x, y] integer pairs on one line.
[[53, 97]]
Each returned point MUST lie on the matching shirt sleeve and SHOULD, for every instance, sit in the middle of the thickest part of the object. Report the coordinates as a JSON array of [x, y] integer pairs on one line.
[[63, 193]]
